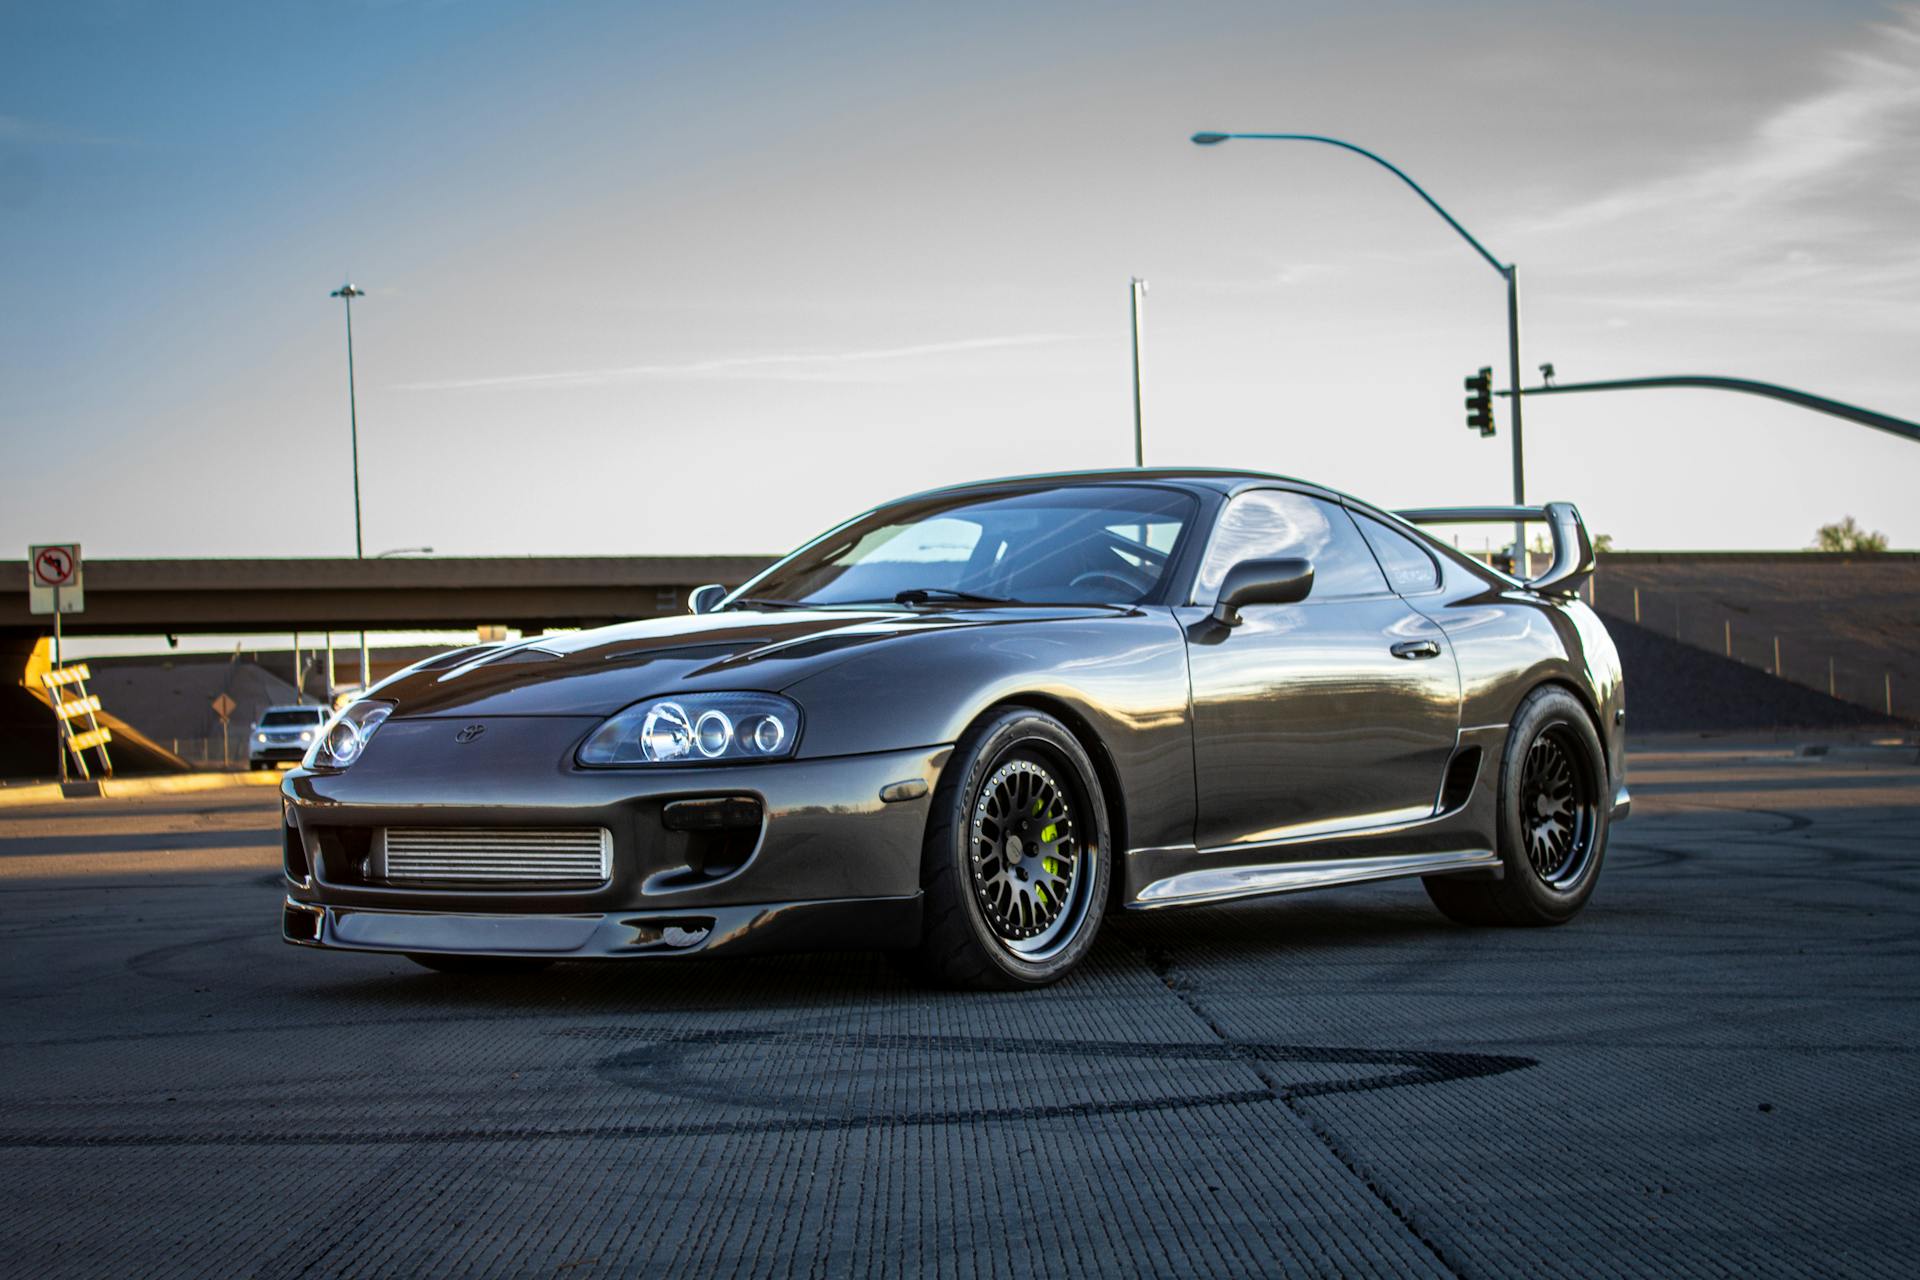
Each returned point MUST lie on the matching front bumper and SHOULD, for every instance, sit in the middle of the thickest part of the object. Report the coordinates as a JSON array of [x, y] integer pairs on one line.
[[852, 923], [831, 866]]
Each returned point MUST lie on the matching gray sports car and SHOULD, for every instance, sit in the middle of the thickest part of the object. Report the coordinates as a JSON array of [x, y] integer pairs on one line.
[[968, 724]]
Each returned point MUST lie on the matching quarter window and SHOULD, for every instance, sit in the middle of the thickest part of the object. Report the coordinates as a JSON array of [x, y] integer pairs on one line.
[[1266, 524], [1409, 568]]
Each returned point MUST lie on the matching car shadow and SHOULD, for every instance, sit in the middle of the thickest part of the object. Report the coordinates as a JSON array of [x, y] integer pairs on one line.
[[1144, 941]]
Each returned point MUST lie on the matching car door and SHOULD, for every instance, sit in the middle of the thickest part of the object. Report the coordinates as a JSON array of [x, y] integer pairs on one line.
[[1336, 713]]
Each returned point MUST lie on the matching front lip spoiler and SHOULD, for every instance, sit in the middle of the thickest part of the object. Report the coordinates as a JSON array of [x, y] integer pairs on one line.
[[847, 924], [1622, 805]]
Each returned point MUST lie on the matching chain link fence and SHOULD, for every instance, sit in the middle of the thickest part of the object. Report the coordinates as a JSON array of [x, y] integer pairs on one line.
[[1885, 686]]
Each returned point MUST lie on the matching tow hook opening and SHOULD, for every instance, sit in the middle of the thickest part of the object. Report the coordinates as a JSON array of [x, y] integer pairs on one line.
[[300, 922]]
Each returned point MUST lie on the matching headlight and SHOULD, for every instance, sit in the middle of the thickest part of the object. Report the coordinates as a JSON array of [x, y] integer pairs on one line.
[[696, 728], [342, 741], [261, 736], [306, 735]]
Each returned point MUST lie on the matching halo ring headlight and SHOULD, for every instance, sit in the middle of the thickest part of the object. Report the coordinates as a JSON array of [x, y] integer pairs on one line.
[[713, 733], [768, 733], [695, 729]]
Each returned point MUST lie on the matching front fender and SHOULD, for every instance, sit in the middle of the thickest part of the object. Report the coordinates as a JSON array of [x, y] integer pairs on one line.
[[1122, 677]]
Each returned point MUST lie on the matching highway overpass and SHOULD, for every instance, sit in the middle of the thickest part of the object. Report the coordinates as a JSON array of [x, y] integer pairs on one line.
[[532, 593], [229, 597]]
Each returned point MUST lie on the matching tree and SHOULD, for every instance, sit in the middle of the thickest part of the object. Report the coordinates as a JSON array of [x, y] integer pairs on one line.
[[1846, 535], [1603, 542]]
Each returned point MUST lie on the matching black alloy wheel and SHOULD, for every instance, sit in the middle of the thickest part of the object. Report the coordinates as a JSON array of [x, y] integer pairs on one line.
[[1550, 821], [1015, 865], [1557, 807], [1025, 855]]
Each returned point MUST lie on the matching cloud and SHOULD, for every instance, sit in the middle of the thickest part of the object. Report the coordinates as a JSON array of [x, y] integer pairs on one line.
[[1800, 150], [1816, 202], [797, 367]]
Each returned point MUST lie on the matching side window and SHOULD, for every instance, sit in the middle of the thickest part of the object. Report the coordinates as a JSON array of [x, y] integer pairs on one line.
[[1268, 523], [1410, 569]]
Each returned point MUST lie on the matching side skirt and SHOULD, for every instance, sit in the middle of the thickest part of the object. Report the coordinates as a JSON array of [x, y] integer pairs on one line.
[[1222, 884]]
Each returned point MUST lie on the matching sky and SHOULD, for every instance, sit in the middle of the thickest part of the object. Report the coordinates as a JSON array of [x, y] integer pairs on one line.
[[666, 279]]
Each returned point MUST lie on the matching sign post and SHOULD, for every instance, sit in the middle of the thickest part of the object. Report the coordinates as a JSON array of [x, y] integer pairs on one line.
[[54, 586], [223, 707]]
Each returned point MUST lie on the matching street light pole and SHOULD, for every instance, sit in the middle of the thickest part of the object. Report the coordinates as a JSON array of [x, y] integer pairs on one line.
[[1137, 292], [1507, 270], [347, 293]]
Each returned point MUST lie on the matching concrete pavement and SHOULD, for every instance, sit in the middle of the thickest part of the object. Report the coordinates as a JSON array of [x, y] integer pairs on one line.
[[1710, 1073]]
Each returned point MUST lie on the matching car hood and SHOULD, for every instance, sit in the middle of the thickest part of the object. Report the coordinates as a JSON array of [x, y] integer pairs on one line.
[[600, 671]]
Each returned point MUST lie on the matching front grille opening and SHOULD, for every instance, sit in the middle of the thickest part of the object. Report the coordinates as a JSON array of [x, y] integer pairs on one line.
[[491, 856], [345, 855], [1462, 771]]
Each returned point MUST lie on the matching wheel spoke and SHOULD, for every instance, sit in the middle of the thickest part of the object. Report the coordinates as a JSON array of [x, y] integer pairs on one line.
[[1024, 854], [1555, 809]]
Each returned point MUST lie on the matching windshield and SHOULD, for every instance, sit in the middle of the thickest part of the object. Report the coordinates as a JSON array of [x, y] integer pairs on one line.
[[1088, 544], [301, 715]]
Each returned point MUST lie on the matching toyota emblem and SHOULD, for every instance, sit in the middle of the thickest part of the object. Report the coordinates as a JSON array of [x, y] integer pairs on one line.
[[469, 733]]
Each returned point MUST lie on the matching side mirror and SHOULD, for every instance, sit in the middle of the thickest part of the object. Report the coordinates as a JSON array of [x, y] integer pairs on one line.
[[703, 599], [1262, 582]]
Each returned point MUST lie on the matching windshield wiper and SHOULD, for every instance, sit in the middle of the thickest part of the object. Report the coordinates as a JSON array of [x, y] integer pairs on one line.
[[767, 602], [926, 595]]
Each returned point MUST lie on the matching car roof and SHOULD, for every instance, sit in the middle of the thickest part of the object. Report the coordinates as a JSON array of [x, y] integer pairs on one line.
[[1215, 479]]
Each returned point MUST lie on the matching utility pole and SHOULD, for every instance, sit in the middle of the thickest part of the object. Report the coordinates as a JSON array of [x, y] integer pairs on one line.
[[347, 293], [1521, 558], [1137, 294]]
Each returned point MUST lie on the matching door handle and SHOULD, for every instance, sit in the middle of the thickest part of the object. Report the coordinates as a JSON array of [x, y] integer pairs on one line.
[[1416, 649]]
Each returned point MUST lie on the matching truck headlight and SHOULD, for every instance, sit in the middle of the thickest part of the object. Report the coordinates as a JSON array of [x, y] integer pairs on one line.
[[696, 728], [345, 738]]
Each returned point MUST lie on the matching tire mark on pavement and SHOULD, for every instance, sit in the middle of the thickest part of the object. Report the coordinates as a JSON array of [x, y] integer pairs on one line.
[[661, 1054]]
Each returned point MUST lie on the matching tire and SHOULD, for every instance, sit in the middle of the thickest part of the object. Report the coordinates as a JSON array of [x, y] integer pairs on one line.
[[1003, 912], [493, 966], [256, 765], [1550, 856]]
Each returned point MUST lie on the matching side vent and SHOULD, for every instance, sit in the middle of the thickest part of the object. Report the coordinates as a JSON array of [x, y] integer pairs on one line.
[[293, 855], [1462, 771]]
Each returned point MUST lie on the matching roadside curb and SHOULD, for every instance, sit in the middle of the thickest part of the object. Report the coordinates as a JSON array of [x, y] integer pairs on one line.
[[122, 788], [1874, 754]]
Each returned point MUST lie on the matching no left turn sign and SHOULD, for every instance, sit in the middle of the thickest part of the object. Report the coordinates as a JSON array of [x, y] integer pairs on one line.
[[55, 566], [53, 570]]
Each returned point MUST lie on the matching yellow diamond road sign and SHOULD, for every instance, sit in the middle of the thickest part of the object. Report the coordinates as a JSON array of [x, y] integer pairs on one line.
[[223, 706]]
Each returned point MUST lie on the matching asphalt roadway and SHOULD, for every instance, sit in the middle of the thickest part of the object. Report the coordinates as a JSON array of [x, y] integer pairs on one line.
[[1710, 1073]]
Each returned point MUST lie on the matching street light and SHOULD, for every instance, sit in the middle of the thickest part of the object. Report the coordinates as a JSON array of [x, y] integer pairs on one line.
[[347, 293], [1506, 269]]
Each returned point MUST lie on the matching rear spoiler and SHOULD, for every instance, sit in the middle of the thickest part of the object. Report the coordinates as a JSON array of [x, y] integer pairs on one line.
[[1573, 560]]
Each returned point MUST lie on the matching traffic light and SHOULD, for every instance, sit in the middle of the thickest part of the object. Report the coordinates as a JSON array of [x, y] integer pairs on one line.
[[1480, 402]]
